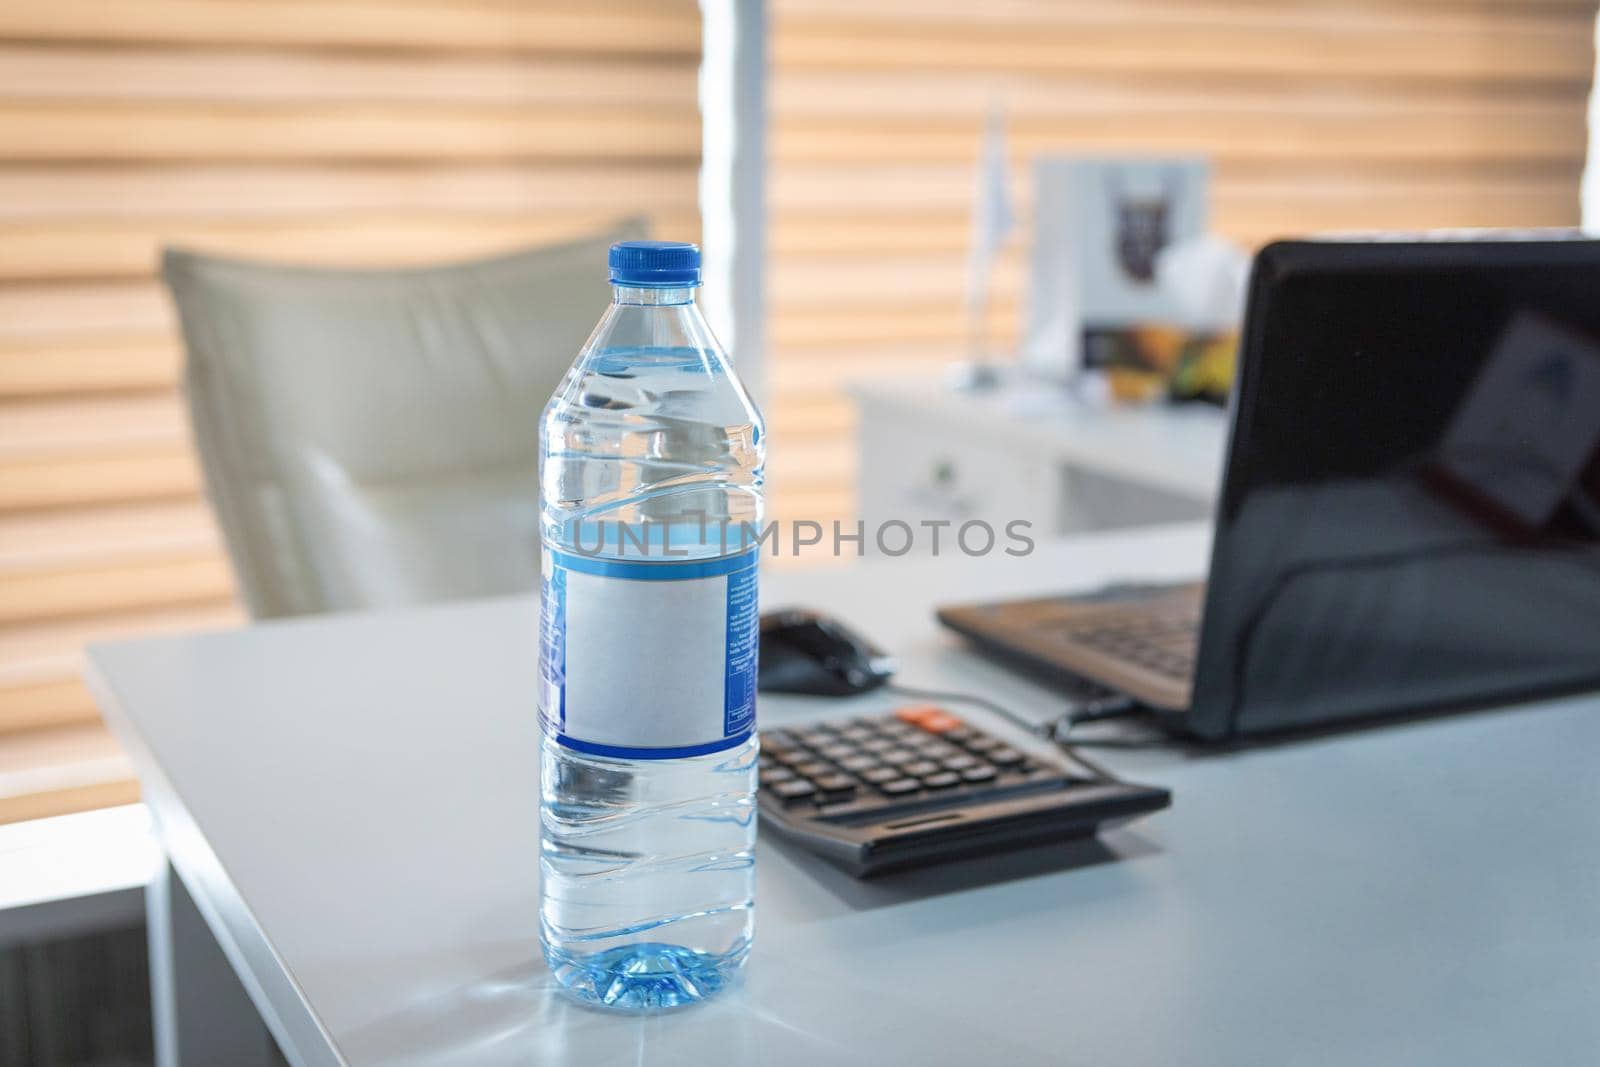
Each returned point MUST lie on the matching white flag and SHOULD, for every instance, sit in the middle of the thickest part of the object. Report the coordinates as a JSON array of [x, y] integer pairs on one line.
[[992, 218]]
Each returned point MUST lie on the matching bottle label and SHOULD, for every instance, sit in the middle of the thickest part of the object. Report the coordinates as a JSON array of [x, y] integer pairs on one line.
[[648, 659]]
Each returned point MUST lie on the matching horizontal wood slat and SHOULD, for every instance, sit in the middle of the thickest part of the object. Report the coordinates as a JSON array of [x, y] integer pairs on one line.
[[1195, 42], [829, 415], [88, 365], [73, 787], [29, 72], [158, 473], [45, 540], [217, 191], [45, 704], [71, 250], [933, 322], [199, 578], [1148, 12], [900, 190], [70, 768], [31, 132], [628, 27], [948, 231], [810, 464], [943, 96], [840, 284], [90, 424], [1535, 138], [44, 315]]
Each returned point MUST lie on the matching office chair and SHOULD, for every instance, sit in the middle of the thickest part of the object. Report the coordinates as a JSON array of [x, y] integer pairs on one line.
[[369, 438]]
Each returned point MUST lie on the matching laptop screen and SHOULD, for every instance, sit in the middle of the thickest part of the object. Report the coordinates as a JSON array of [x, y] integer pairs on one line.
[[1411, 513]]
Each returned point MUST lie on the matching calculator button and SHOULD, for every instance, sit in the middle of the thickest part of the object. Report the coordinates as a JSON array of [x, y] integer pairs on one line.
[[898, 756], [942, 780], [879, 775], [978, 774], [962, 734], [765, 763], [816, 739], [921, 767], [959, 763], [1004, 757], [774, 775], [984, 743], [938, 750], [814, 768], [857, 763], [856, 734], [836, 786], [899, 787], [877, 744], [836, 752], [933, 720], [794, 792]]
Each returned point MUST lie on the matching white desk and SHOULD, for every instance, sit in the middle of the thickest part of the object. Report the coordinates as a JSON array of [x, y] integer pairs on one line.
[[1030, 450], [352, 803]]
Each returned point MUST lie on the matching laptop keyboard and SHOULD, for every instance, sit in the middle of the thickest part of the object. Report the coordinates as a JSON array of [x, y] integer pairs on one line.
[[1161, 642]]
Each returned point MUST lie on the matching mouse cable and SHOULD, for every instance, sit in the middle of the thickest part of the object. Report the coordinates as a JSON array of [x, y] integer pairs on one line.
[[1057, 730]]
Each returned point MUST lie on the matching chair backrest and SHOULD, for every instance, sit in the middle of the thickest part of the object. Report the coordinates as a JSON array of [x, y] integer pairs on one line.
[[370, 438]]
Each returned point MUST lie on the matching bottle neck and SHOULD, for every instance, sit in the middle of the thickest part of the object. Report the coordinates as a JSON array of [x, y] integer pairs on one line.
[[650, 296]]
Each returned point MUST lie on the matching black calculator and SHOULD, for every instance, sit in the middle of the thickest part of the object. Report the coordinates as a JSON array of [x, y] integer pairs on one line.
[[920, 786]]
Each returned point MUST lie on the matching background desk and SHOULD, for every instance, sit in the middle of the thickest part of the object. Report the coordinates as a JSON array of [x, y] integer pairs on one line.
[[351, 803], [1032, 451]]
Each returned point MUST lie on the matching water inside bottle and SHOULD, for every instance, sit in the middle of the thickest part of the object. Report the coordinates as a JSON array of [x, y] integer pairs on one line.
[[648, 863]]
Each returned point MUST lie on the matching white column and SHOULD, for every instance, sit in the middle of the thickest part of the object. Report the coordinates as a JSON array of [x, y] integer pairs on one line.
[[733, 205]]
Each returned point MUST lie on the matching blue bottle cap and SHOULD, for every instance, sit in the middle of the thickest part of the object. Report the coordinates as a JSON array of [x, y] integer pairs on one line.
[[655, 264]]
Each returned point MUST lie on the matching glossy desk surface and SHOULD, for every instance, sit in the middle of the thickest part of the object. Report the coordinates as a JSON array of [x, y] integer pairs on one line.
[[352, 803]]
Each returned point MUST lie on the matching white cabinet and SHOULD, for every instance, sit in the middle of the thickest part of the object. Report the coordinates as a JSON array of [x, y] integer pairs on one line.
[[1029, 453]]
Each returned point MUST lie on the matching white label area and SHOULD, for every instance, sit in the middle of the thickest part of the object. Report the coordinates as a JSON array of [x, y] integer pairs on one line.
[[649, 659]]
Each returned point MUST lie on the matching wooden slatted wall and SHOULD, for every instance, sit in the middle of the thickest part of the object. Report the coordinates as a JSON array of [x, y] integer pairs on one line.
[[1318, 114], [319, 131]]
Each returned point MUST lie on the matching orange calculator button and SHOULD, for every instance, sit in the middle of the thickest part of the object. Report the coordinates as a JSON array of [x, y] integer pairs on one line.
[[932, 719]]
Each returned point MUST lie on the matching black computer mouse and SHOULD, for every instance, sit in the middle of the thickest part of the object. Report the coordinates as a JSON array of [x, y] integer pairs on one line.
[[808, 652]]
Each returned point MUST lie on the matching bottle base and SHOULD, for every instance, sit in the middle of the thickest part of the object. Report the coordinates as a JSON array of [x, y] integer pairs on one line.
[[645, 977]]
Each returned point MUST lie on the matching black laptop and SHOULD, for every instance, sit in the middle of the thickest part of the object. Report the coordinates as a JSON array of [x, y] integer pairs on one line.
[[1410, 517]]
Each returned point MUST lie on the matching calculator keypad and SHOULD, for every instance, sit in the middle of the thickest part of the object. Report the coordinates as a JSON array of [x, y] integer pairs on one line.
[[916, 753]]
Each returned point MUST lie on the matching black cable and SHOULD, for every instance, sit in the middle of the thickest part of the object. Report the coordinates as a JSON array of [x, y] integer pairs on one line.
[[1050, 730], [1099, 709]]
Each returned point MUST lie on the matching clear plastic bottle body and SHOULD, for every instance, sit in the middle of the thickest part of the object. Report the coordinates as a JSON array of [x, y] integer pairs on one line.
[[647, 864]]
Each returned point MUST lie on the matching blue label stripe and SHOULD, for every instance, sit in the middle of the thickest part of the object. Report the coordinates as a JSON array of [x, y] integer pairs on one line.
[[619, 752], [657, 570], [741, 639], [553, 646]]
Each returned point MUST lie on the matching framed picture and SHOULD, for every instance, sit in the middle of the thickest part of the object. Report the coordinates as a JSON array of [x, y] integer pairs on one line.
[[1099, 224]]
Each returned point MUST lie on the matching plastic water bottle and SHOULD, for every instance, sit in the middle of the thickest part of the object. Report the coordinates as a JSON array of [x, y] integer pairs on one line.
[[651, 477]]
